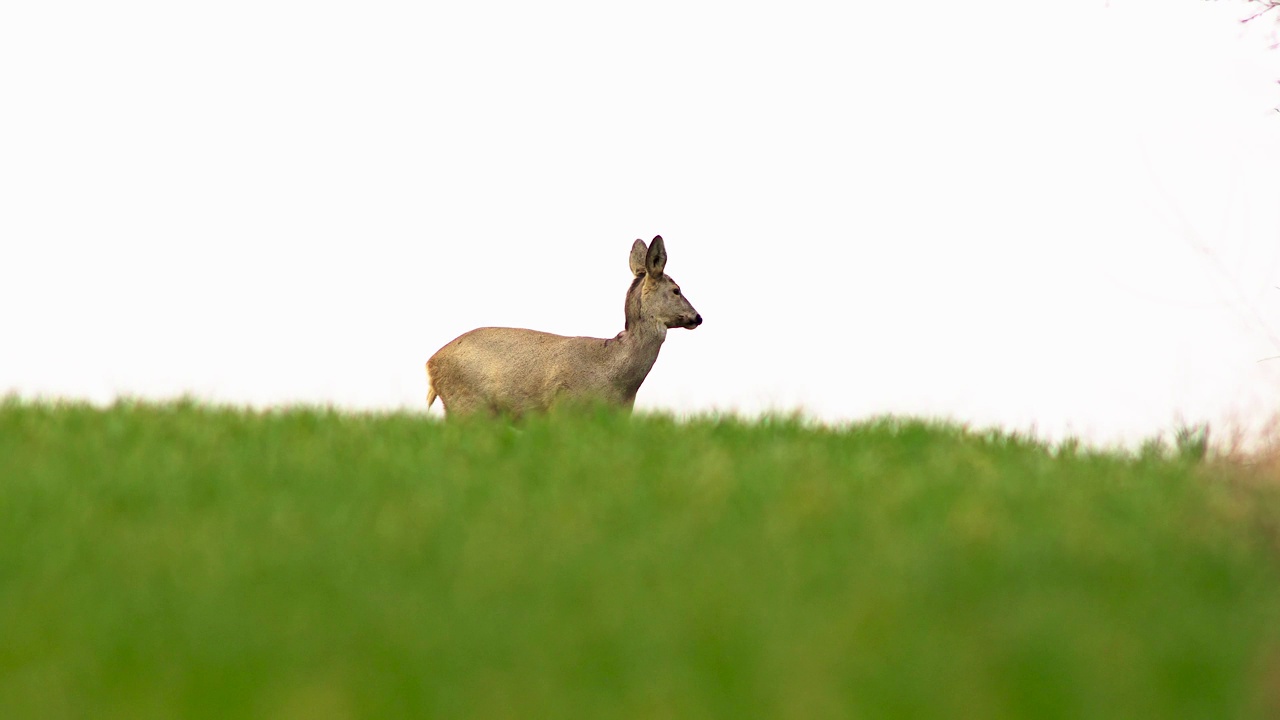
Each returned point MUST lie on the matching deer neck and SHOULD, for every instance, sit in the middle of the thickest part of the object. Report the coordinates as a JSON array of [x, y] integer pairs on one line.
[[634, 351]]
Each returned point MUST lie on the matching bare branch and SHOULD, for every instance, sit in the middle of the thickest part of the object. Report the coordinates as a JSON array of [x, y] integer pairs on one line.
[[1270, 5]]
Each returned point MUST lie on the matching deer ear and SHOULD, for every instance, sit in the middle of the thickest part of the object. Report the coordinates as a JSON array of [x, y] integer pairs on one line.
[[638, 251], [656, 260]]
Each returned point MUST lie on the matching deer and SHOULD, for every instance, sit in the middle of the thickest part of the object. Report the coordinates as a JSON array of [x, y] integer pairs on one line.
[[515, 371]]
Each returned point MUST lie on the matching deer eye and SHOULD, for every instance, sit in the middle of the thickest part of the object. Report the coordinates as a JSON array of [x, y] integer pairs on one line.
[[676, 291]]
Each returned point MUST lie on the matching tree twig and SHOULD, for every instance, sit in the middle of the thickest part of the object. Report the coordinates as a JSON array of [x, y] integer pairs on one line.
[[1271, 5]]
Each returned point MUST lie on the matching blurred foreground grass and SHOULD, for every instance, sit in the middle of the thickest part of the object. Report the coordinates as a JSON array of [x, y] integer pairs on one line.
[[176, 560]]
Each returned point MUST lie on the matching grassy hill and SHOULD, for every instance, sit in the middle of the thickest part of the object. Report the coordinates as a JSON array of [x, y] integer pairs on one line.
[[177, 560]]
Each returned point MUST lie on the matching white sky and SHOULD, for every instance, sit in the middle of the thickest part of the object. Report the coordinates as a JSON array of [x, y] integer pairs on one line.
[[1052, 215]]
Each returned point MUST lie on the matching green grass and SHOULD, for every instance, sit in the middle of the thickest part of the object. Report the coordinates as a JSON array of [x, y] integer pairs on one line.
[[176, 560]]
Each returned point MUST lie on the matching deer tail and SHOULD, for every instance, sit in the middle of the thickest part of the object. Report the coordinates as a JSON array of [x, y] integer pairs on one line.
[[431, 390]]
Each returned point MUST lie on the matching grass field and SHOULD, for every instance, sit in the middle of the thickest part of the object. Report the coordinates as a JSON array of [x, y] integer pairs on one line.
[[176, 560]]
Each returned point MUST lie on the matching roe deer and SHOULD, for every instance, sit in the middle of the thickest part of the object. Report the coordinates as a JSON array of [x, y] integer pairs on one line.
[[513, 370]]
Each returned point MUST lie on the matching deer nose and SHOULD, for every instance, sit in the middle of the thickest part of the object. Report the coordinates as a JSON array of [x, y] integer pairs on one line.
[[697, 320]]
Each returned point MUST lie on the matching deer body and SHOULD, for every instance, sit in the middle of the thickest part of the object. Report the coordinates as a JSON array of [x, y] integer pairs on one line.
[[517, 371]]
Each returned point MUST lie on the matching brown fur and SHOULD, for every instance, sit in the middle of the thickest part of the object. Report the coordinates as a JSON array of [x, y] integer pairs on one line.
[[513, 370]]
